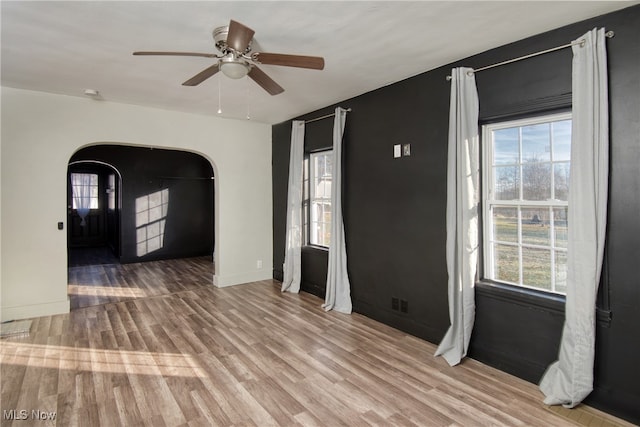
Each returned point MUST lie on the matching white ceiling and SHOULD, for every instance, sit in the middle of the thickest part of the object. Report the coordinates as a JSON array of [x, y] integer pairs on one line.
[[67, 47]]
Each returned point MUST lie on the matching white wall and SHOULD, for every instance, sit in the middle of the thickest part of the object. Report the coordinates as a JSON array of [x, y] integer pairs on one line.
[[41, 131]]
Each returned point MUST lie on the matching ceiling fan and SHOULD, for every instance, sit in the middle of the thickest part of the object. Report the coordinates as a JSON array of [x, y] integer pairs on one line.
[[236, 59]]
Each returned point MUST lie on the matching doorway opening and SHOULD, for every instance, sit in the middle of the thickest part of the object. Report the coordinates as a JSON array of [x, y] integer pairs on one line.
[[93, 213], [140, 221]]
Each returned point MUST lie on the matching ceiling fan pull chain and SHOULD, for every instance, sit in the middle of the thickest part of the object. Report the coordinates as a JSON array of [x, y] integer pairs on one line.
[[248, 98], [219, 97]]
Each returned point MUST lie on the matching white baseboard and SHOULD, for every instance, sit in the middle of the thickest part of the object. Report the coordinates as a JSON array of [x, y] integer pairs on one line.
[[220, 281], [35, 310]]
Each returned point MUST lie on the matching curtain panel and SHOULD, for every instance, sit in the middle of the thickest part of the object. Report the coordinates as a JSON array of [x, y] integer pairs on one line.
[[81, 185], [292, 274], [462, 214], [570, 379], [338, 292]]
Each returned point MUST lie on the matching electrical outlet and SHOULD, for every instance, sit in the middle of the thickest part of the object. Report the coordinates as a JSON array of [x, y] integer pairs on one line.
[[259, 264], [406, 150], [404, 306], [395, 303]]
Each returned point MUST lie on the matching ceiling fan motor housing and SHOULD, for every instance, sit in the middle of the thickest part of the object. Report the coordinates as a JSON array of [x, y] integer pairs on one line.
[[220, 38]]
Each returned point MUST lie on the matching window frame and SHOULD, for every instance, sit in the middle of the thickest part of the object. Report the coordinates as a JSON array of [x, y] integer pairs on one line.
[[488, 203], [96, 186], [309, 196]]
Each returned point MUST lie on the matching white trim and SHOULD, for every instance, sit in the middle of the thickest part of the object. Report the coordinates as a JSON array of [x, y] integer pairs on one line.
[[35, 310], [242, 278], [488, 201]]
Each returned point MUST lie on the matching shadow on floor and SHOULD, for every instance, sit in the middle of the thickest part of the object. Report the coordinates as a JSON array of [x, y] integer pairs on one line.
[[91, 256]]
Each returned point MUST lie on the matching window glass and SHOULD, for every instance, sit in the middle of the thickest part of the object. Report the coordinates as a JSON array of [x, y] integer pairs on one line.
[[535, 143], [506, 182], [505, 224], [320, 168], [526, 166], [561, 140], [111, 191], [84, 187], [507, 147], [536, 181], [561, 180]]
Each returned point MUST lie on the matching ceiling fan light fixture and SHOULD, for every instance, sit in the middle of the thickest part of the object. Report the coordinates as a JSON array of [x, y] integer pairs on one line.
[[234, 69], [234, 42]]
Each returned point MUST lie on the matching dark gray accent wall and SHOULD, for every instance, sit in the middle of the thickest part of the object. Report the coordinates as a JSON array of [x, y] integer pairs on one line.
[[394, 209], [189, 226]]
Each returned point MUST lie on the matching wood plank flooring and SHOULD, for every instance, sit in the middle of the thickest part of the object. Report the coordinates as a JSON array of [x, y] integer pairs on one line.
[[107, 283], [91, 256], [246, 355]]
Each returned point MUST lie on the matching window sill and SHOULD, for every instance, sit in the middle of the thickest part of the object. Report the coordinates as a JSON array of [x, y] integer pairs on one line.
[[315, 248], [553, 303], [522, 296]]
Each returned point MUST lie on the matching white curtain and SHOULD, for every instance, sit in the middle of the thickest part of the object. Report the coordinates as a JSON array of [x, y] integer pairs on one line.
[[338, 292], [292, 257], [81, 193], [570, 379], [462, 214]]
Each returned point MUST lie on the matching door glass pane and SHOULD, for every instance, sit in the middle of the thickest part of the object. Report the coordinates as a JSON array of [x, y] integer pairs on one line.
[[84, 189], [111, 192]]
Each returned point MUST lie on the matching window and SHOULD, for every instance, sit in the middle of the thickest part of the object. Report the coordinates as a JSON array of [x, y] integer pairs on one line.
[[111, 192], [317, 205], [84, 188], [526, 167]]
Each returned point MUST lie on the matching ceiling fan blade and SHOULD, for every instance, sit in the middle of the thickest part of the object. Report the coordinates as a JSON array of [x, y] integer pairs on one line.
[[204, 55], [202, 76], [265, 81], [313, 62], [239, 36]]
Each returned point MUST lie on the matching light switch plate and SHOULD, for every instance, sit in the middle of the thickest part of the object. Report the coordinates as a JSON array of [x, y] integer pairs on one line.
[[397, 151]]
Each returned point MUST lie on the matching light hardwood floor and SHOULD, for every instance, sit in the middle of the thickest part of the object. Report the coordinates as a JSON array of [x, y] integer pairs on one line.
[[246, 355], [105, 283]]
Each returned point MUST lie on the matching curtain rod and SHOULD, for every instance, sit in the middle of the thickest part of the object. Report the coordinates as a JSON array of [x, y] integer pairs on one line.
[[581, 42], [324, 117]]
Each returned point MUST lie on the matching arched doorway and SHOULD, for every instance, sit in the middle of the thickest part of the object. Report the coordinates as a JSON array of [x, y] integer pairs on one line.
[[152, 205]]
